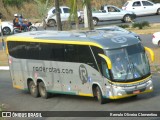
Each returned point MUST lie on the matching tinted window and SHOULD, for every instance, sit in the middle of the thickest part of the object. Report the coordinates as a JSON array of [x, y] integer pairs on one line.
[[112, 9], [71, 53], [32, 51], [134, 49], [85, 56], [137, 4], [54, 11], [55, 52], [146, 3], [96, 51], [66, 10], [37, 51]]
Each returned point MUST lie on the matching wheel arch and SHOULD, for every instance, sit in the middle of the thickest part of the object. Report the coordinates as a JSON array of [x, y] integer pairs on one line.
[[158, 11], [95, 18], [158, 43], [127, 14], [94, 85], [51, 19]]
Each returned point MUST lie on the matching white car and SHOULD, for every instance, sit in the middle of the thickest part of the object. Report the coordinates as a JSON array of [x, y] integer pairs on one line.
[[64, 13], [156, 38], [142, 7], [7, 28]]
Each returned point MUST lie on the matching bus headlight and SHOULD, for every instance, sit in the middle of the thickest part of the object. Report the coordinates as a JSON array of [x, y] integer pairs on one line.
[[150, 87]]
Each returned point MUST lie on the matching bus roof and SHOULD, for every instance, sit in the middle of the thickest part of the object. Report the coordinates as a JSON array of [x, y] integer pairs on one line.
[[99, 38]]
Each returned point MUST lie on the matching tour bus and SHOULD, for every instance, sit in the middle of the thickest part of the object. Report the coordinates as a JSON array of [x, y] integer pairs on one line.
[[80, 63]]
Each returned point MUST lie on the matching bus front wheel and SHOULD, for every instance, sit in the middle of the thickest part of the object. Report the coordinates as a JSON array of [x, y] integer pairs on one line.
[[99, 95], [33, 89], [42, 90]]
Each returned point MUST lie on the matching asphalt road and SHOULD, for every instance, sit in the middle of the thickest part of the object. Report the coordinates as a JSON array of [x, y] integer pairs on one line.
[[23, 101]]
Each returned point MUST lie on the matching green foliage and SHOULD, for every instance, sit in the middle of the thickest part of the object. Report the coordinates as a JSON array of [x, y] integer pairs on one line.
[[42, 7], [155, 1], [141, 25], [124, 26], [17, 3]]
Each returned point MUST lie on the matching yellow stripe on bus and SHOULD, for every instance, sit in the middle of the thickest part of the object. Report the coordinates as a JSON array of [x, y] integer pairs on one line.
[[18, 87], [84, 94], [107, 59], [28, 39]]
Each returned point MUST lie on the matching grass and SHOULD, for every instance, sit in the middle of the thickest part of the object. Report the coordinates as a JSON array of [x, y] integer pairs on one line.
[[146, 30]]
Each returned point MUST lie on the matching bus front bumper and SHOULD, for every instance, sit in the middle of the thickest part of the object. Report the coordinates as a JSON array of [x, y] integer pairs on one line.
[[123, 92]]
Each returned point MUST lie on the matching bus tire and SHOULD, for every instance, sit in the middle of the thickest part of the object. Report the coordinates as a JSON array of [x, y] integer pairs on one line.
[[99, 95], [42, 90], [33, 89]]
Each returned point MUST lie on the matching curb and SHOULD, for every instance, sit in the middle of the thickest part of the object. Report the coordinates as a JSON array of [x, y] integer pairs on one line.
[[4, 68]]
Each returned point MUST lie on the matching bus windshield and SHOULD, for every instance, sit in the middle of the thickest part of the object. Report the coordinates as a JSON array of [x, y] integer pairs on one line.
[[129, 63]]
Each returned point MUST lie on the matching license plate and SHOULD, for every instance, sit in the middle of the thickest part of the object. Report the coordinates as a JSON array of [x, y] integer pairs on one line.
[[136, 92]]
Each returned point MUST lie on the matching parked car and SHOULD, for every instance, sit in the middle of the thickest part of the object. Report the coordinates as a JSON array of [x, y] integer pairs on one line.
[[64, 13], [7, 28], [142, 7], [156, 39], [119, 29], [110, 12]]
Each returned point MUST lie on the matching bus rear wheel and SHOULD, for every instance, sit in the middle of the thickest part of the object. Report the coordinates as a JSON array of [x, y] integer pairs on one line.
[[99, 95], [42, 90], [33, 89]]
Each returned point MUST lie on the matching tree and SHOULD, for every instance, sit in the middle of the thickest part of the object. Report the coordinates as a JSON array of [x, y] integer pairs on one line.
[[73, 13], [87, 3], [58, 17]]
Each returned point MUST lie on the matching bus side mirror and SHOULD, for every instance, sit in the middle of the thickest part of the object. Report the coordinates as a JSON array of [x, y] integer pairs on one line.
[[107, 59], [150, 52]]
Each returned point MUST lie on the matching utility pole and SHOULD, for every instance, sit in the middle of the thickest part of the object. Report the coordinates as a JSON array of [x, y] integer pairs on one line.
[[1, 31], [58, 17]]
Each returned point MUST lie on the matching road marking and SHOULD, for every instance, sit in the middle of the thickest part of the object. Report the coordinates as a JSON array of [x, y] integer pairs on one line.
[[4, 67]]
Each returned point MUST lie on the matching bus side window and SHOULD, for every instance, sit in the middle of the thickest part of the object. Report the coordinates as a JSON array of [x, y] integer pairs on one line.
[[33, 50], [96, 51], [84, 55], [71, 53], [17, 49], [105, 71], [57, 53]]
